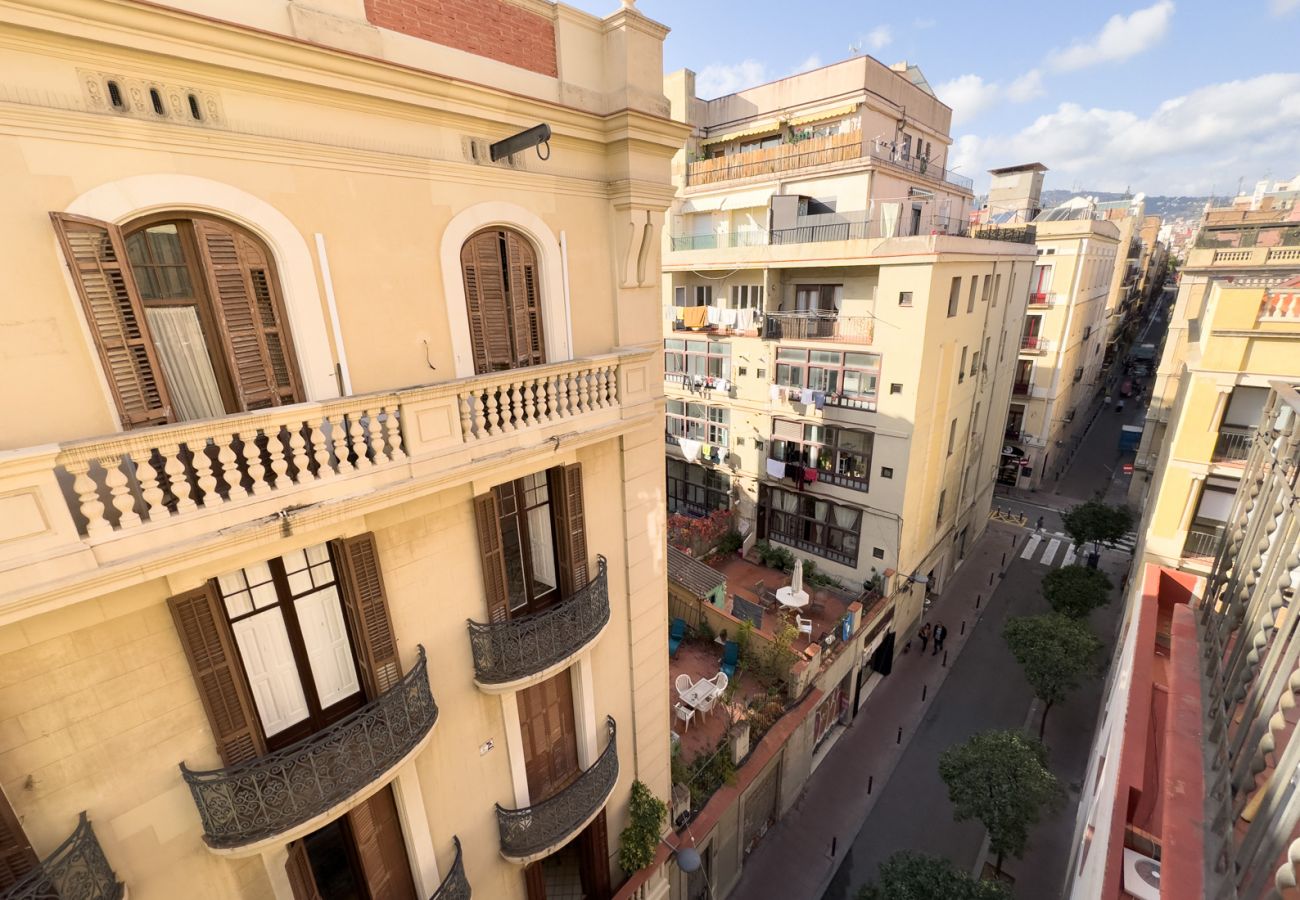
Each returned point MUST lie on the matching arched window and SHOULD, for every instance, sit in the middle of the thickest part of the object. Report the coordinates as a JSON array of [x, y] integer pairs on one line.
[[502, 292], [187, 316]]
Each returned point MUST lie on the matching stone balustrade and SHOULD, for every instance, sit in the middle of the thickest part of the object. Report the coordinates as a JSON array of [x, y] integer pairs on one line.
[[71, 508]]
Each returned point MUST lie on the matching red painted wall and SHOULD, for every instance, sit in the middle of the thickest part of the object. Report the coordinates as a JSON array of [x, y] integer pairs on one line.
[[491, 28]]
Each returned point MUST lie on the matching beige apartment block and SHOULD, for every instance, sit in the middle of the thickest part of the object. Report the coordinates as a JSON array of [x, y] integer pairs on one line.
[[838, 347], [332, 542], [1123, 301], [1062, 342], [1234, 328]]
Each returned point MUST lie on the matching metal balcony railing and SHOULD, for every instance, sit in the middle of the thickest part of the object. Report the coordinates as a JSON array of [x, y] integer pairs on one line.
[[1021, 388], [818, 326], [1032, 343], [1232, 445], [268, 796], [814, 232], [756, 237], [507, 651], [76, 870], [1042, 300], [547, 823], [455, 886], [1015, 234], [1202, 542]]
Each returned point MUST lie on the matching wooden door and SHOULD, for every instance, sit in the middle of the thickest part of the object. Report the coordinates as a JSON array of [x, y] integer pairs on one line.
[[550, 738], [17, 857], [381, 849], [593, 847]]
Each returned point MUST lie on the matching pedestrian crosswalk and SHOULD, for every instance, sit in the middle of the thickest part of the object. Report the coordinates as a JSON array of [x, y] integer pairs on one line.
[[1054, 548]]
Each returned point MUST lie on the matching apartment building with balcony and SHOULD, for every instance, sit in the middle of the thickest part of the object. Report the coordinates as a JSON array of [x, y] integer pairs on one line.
[[1062, 340], [838, 348], [332, 551], [1123, 301], [1190, 785], [1232, 330]]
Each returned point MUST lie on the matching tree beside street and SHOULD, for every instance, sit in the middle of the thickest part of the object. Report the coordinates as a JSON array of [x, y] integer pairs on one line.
[[908, 875], [1001, 779], [1075, 591], [1054, 651], [1097, 523]]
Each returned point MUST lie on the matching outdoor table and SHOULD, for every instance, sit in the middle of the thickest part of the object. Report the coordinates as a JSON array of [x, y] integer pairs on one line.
[[701, 690]]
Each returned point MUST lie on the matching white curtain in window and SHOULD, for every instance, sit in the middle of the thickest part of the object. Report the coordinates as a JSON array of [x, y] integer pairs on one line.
[[845, 517], [543, 546], [185, 362], [889, 215]]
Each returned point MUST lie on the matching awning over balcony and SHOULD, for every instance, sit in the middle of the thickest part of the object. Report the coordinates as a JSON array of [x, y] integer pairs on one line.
[[733, 200], [758, 128], [824, 114]]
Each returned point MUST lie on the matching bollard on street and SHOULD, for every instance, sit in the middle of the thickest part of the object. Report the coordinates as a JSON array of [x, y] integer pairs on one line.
[[963, 627], [924, 688], [870, 780], [899, 739], [945, 659]]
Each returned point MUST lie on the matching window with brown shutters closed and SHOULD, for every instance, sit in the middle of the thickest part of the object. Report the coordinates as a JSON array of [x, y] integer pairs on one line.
[[302, 881], [502, 293], [187, 316], [17, 857]]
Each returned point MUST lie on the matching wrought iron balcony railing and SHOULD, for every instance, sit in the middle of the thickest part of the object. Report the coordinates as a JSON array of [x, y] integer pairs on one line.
[[1203, 542], [507, 651], [818, 326], [537, 828], [77, 870], [274, 793], [455, 886], [1232, 445]]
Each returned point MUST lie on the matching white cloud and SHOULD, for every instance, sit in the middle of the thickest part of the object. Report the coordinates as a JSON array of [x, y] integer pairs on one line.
[[812, 62], [717, 79], [922, 24], [1028, 86], [1283, 7], [1120, 38], [970, 95], [879, 37], [1189, 144]]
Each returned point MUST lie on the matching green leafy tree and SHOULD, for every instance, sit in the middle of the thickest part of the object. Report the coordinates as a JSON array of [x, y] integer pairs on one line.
[[908, 875], [1096, 523], [1001, 779], [1075, 591], [646, 817], [1054, 651]]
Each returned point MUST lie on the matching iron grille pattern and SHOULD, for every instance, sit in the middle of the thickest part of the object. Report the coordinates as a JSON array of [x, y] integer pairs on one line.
[[546, 823], [455, 886], [77, 870], [269, 795], [507, 651]]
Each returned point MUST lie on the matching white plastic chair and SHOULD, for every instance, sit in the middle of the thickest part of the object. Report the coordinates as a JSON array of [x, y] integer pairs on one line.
[[683, 683], [685, 714], [720, 683], [805, 625]]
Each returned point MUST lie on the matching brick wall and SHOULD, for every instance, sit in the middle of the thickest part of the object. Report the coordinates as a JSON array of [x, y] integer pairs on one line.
[[492, 28]]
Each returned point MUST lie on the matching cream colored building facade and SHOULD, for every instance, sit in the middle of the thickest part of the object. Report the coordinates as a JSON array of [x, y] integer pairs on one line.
[[300, 382], [838, 349], [1233, 329], [1062, 344]]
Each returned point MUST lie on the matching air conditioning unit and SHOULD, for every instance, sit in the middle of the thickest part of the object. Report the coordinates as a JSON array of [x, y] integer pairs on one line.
[[1141, 875]]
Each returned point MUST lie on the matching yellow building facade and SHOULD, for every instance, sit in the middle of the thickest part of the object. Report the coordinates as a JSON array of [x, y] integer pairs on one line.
[[332, 495]]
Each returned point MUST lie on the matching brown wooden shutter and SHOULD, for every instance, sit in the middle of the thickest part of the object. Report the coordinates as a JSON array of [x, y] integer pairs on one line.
[[367, 608], [302, 881], [380, 848], [487, 515], [525, 307], [483, 270], [535, 881], [594, 859], [571, 527], [550, 739], [96, 257], [210, 647], [244, 291], [17, 857]]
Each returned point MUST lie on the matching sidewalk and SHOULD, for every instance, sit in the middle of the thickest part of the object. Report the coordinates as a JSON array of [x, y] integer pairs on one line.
[[835, 801]]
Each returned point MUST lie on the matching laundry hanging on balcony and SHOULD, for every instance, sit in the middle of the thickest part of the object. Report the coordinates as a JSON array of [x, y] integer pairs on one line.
[[690, 449]]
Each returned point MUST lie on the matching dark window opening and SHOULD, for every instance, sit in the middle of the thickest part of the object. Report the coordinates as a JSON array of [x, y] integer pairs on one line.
[[115, 96], [156, 98], [195, 113]]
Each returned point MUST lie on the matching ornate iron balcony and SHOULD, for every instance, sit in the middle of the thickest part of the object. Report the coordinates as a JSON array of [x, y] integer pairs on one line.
[[77, 870], [455, 886], [536, 828], [508, 651], [270, 795]]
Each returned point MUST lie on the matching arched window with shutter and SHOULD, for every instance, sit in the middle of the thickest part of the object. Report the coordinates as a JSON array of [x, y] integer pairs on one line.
[[187, 315], [502, 293]]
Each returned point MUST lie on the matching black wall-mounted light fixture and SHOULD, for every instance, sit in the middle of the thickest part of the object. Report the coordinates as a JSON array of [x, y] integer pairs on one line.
[[533, 137]]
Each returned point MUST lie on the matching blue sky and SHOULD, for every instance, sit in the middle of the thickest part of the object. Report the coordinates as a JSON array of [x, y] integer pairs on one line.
[[1163, 96]]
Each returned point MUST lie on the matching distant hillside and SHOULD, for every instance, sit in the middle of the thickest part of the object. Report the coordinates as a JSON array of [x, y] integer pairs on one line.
[[1166, 207]]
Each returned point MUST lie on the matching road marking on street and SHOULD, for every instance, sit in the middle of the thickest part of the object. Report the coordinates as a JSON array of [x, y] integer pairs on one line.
[[1030, 547], [1051, 552], [1070, 556]]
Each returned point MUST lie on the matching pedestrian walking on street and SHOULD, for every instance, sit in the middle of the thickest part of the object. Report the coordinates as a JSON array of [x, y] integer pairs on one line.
[[1040, 523], [940, 632], [924, 635]]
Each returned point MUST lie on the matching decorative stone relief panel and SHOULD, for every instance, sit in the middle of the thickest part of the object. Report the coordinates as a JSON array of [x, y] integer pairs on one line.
[[148, 98]]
